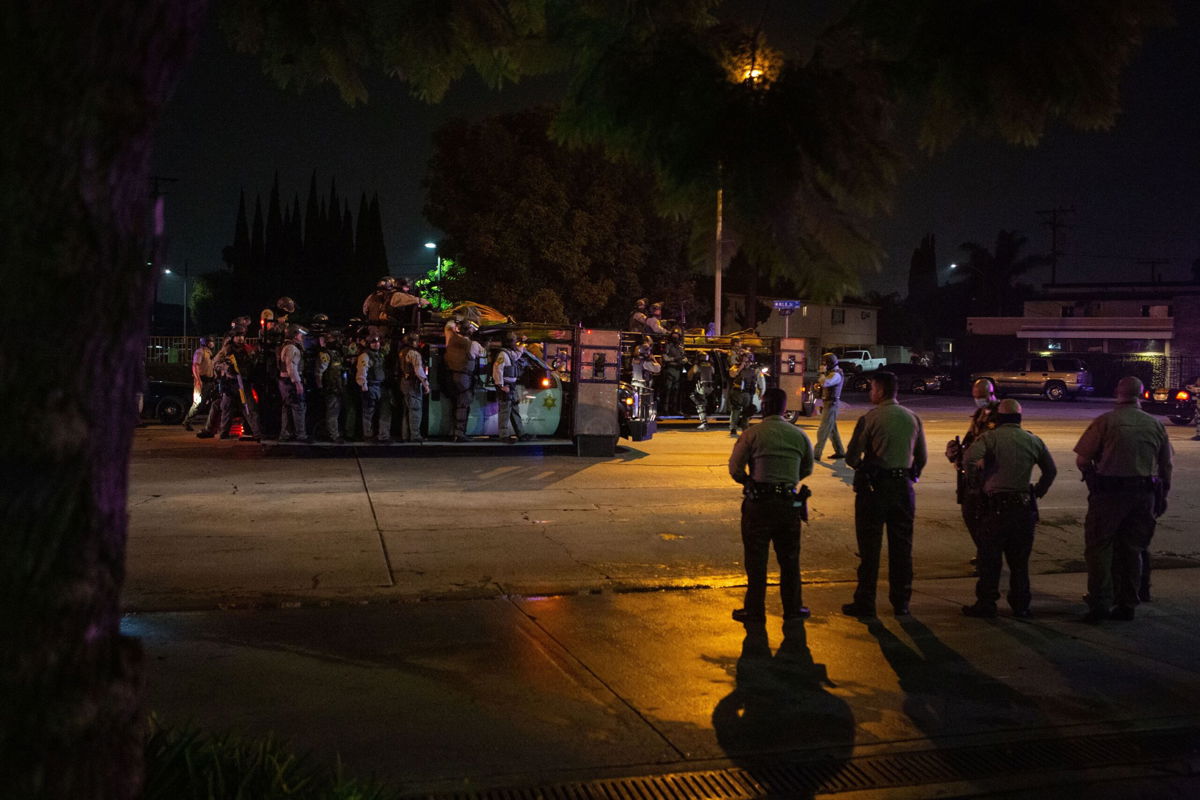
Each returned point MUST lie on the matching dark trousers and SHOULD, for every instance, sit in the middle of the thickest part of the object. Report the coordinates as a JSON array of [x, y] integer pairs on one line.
[[376, 408], [221, 415], [508, 422], [292, 411], [891, 505], [412, 395], [1006, 534], [767, 522], [739, 403], [208, 395], [460, 388], [669, 382], [1118, 528], [332, 397], [352, 403], [269, 407], [972, 513]]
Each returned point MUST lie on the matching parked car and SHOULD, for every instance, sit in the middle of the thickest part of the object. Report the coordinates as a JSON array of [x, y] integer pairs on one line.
[[915, 378], [168, 401], [1177, 404], [1054, 378]]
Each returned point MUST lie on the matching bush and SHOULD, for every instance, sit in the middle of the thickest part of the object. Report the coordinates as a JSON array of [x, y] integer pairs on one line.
[[186, 764]]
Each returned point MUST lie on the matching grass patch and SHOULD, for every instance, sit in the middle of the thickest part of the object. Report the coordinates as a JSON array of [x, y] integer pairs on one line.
[[187, 764]]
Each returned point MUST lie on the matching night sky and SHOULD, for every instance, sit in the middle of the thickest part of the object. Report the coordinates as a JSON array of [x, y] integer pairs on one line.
[[1135, 189]]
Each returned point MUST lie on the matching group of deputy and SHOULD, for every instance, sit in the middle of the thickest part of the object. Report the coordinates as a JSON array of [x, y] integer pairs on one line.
[[1124, 455], [317, 381]]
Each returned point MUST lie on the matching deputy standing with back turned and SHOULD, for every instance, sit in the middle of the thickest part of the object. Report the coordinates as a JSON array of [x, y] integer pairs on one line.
[[887, 452]]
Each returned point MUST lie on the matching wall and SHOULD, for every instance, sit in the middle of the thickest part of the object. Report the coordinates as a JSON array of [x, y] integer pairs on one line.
[[814, 322]]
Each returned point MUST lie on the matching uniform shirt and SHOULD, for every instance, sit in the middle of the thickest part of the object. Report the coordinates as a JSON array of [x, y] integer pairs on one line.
[[506, 358], [831, 384], [775, 450], [462, 352], [654, 325], [202, 363], [364, 371], [637, 322], [1007, 455], [289, 358], [889, 436], [982, 421], [411, 365], [1127, 442], [703, 374]]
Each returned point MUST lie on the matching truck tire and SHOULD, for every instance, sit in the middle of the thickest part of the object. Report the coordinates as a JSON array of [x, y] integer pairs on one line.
[[1056, 390]]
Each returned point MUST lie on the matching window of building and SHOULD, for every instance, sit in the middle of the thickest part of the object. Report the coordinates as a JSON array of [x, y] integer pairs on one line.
[[837, 316], [1068, 311]]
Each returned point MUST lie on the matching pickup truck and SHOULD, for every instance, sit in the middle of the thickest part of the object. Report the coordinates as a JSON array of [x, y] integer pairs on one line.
[[860, 360]]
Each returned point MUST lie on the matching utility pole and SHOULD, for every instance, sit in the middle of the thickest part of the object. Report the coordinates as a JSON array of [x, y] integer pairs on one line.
[[1153, 264], [1054, 224], [717, 263]]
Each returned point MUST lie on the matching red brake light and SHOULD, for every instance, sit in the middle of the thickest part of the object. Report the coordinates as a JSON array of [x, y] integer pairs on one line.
[[1182, 395], [254, 394], [545, 383], [1146, 394]]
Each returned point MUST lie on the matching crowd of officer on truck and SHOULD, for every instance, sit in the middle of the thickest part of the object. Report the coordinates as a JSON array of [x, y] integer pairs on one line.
[[372, 379]]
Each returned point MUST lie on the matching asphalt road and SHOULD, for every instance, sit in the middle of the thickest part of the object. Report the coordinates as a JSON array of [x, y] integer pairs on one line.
[[218, 524]]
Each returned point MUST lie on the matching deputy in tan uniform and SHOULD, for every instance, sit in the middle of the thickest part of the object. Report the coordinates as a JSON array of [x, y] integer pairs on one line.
[[970, 488], [887, 452], [1125, 458], [461, 359], [768, 460], [292, 422], [1005, 457]]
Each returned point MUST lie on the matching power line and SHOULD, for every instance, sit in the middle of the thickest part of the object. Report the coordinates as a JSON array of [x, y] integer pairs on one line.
[[1053, 224]]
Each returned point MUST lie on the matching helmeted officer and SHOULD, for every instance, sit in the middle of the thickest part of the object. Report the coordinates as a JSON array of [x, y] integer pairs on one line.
[[637, 320], [768, 461], [462, 360], [234, 390], [506, 373], [830, 382], [413, 386], [204, 378], [285, 309], [703, 377], [653, 323], [673, 361], [887, 452], [743, 379], [1005, 457], [292, 423], [1125, 457], [329, 373], [970, 484], [371, 376], [263, 373], [389, 307]]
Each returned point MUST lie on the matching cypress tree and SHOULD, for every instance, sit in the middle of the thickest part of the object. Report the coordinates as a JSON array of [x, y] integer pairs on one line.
[[240, 253], [312, 221], [273, 240], [258, 283], [362, 266], [294, 250], [378, 249]]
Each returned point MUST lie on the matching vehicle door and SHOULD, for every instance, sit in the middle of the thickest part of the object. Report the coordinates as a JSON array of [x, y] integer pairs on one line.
[[1011, 377], [1036, 376]]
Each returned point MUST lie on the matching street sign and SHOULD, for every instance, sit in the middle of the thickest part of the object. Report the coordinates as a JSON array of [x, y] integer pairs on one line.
[[780, 305]]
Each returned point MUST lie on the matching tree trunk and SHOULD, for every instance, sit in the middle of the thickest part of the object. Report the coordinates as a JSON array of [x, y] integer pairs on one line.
[[83, 88]]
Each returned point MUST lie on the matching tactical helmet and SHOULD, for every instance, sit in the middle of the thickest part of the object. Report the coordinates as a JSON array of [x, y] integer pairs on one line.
[[471, 326], [320, 319], [656, 306], [374, 337], [386, 284], [412, 339], [641, 302], [243, 321], [830, 359], [286, 304], [204, 340], [513, 339], [735, 340], [238, 330], [295, 330]]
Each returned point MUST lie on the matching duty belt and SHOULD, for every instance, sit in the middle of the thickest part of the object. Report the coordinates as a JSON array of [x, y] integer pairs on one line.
[[1000, 500], [767, 491], [1121, 483], [902, 473]]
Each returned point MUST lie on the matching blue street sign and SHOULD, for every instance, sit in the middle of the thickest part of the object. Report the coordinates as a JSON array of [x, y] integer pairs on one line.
[[782, 304]]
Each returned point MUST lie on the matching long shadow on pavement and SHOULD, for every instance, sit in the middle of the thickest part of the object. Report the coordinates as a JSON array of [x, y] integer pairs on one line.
[[779, 704]]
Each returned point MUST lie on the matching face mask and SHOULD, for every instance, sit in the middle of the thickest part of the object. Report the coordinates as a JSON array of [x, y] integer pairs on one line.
[[981, 402]]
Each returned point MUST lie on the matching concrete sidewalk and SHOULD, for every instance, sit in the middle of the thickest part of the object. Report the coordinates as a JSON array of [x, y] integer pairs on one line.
[[470, 695]]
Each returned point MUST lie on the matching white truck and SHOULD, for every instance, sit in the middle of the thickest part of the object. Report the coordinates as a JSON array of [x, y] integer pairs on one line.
[[860, 361]]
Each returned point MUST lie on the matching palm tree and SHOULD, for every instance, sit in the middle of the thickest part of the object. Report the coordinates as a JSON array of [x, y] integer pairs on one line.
[[993, 273]]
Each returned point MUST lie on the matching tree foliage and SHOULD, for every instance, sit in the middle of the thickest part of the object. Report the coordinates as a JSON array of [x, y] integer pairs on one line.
[[544, 232], [992, 274]]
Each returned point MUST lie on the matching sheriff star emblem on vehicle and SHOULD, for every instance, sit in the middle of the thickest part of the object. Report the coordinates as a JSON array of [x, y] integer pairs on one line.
[[549, 402]]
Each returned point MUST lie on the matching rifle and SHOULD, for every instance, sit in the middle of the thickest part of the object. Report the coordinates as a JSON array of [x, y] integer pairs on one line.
[[237, 371]]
